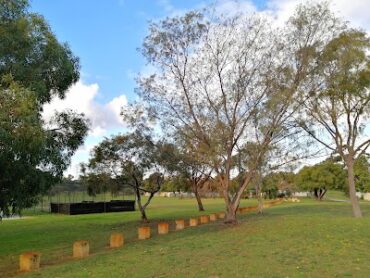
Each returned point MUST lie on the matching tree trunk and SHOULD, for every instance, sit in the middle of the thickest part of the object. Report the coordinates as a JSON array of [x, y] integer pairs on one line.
[[144, 218], [143, 215], [260, 203], [230, 214], [259, 195], [315, 193], [232, 205], [199, 200], [322, 192], [230, 217], [356, 210]]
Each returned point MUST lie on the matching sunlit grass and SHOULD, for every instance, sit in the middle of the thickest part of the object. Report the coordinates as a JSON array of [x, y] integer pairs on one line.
[[307, 239]]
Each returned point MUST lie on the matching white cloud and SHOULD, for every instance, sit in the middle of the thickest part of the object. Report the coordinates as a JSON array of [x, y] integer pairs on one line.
[[354, 11], [115, 105], [98, 132], [82, 98], [169, 8], [104, 117], [166, 5], [232, 7]]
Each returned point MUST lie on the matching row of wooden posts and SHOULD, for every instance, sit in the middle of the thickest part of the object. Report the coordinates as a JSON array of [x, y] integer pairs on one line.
[[30, 261]]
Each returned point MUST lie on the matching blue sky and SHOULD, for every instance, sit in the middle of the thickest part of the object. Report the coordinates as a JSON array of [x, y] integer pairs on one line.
[[105, 35]]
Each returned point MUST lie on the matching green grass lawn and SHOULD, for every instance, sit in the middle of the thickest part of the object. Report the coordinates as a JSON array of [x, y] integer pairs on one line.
[[307, 239], [336, 194]]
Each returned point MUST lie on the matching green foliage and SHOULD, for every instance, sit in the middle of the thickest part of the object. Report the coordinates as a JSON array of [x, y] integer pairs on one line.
[[67, 184], [336, 105], [362, 174], [97, 183], [177, 183], [126, 158], [22, 143], [323, 176], [131, 160], [34, 66], [278, 181], [32, 158], [31, 53]]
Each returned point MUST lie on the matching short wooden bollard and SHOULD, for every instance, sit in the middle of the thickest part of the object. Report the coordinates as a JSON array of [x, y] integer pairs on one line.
[[193, 222], [180, 224], [163, 228], [144, 232], [249, 209], [221, 215], [116, 240], [213, 217], [204, 219], [81, 249], [29, 261]]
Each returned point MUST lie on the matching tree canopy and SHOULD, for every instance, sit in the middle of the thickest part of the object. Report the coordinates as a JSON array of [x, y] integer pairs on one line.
[[31, 53], [362, 173], [230, 83], [34, 66], [133, 160], [321, 177], [336, 107]]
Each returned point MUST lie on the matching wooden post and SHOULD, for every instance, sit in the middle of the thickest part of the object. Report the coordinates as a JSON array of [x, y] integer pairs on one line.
[[193, 222], [81, 249], [116, 240], [162, 228], [213, 217], [180, 224], [204, 219], [144, 232], [29, 261]]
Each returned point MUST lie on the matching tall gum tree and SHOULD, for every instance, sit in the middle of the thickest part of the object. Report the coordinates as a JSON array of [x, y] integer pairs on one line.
[[337, 107], [227, 81], [34, 67]]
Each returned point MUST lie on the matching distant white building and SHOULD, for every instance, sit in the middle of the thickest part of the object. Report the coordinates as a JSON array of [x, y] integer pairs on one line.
[[301, 194], [367, 196]]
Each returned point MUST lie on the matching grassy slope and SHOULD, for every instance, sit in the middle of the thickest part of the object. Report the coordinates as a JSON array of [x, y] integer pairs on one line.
[[308, 239], [53, 235], [334, 194]]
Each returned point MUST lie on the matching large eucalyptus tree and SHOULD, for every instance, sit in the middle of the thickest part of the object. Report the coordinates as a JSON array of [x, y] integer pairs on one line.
[[228, 82], [336, 107], [34, 67]]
